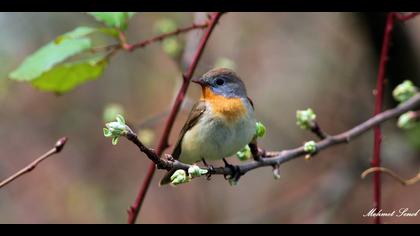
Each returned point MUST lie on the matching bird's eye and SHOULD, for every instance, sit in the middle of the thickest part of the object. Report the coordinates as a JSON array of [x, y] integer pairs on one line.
[[220, 82]]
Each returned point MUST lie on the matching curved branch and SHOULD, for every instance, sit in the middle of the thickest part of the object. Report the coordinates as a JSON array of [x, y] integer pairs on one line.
[[391, 173], [277, 158], [56, 149]]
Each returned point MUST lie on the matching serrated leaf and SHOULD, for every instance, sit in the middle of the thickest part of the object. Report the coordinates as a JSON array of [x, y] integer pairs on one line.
[[67, 76], [113, 19], [53, 53]]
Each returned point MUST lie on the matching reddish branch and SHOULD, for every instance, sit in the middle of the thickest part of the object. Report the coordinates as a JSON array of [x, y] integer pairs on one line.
[[131, 47], [379, 95], [163, 141], [56, 149], [376, 161]]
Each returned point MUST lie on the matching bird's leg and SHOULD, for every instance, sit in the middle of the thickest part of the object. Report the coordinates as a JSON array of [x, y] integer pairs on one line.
[[233, 169], [210, 167]]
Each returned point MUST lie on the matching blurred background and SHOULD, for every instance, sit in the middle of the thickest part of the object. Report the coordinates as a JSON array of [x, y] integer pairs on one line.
[[289, 61]]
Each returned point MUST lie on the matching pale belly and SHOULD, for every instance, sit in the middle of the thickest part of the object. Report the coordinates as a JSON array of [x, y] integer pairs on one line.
[[214, 139]]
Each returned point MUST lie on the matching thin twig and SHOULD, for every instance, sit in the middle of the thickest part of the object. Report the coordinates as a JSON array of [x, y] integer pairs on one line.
[[316, 129], [391, 173], [276, 158], [56, 149], [134, 210], [131, 47], [141, 44]]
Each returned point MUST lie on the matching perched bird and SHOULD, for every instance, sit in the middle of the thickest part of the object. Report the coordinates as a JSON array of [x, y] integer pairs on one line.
[[219, 124]]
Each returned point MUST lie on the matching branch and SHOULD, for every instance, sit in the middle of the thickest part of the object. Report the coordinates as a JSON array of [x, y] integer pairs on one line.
[[275, 159], [131, 47], [141, 44], [316, 129], [163, 142], [56, 149], [379, 97], [404, 182]]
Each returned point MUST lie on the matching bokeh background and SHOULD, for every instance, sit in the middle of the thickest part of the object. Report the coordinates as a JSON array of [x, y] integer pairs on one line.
[[289, 61]]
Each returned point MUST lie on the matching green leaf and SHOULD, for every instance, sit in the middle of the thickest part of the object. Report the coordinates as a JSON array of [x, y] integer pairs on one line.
[[67, 76], [260, 129], [115, 140], [404, 91], [407, 120], [47, 57], [310, 147], [120, 119], [180, 177], [305, 118], [113, 19], [79, 32], [244, 154], [107, 132], [195, 171], [109, 31]]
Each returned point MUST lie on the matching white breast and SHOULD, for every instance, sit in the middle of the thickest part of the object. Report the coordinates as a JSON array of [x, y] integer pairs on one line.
[[214, 138]]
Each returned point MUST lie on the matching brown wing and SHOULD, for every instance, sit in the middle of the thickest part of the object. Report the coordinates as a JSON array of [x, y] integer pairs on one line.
[[195, 114], [252, 103]]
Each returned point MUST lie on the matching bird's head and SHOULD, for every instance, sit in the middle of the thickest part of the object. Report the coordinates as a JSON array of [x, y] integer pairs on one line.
[[222, 81]]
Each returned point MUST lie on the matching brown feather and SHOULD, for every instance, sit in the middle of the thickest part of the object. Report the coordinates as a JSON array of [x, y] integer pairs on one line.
[[197, 110]]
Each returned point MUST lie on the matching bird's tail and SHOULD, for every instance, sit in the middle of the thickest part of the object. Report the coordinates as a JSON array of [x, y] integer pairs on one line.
[[167, 178]]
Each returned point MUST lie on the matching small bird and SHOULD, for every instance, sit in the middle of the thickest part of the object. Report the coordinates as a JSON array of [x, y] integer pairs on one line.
[[221, 123]]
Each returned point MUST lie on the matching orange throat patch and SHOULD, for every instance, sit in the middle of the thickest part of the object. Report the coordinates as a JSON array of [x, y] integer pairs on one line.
[[231, 109]]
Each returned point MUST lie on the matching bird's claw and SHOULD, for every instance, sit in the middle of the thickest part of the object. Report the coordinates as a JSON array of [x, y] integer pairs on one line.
[[234, 170], [209, 172]]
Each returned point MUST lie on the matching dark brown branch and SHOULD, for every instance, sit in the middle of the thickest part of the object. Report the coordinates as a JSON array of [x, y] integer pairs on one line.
[[275, 159], [316, 129], [56, 149], [255, 151]]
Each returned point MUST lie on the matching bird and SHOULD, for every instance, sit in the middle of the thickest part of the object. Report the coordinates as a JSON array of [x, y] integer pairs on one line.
[[221, 123]]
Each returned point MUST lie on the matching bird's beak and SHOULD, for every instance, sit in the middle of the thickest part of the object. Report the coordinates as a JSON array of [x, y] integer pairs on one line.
[[198, 81]]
